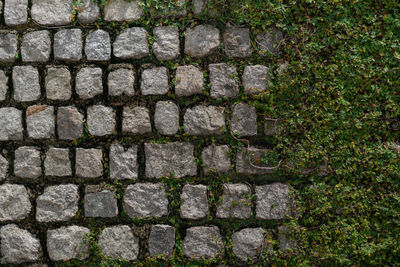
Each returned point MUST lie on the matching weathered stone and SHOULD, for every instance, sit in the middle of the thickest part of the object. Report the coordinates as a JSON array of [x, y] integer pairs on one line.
[[201, 41], [244, 120], [123, 162], [237, 42], [188, 81], [69, 123], [223, 79], [216, 158], [248, 243], [204, 120], [27, 162], [131, 43], [57, 162], [121, 10], [89, 83], [171, 158], [98, 46], [100, 204], [236, 202], [3, 85], [136, 120], [88, 12], [3, 167], [121, 82], [58, 83], [166, 117], [273, 202], [68, 45], [52, 12], [255, 79], [199, 6], [101, 120], [10, 124], [194, 203], [166, 45], [15, 12], [66, 243], [161, 240], [18, 245], [154, 81], [248, 161], [8, 46], [57, 203], [89, 162], [286, 241], [119, 242], [40, 122], [202, 242], [14, 202], [270, 126], [145, 200], [26, 83], [269, 41], [36, 46]]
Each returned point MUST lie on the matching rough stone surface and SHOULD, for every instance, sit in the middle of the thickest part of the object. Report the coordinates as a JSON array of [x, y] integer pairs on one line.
[[216, 158], [18, 245], [269, 41], [120, 10], [8, 46], [154, 81], [199, 6], [68, 243], [15, 12], [166, 117], [26, 83], [270, 126], [57, 162], [10, 124], [204, 120], [89, 12], [27, 162], [14, 202], [166, 45], [98, 46], [248, 243], [248, 161], [119, 242], [223, 81], [194, 204], [3, 85], [52, 12], [188, 81], [57, 203], [58, 83], [201, 41], [101, 120], [89, 82], [101, 204], [161, 240], [202, 242], [40, 122], [255, 79], [237, 42], [273, 202], [236, 202], [3, 167], [89, 162], [286, 241], [69, 123], [131, 43], [68, 45], [145, 200], [244, 120], [136, 120], [123, 162], [121, 82], [171, 158], [36, 46]]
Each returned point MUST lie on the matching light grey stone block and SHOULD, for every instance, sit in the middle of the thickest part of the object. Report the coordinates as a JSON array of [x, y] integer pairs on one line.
[[40, 122], [89, 162], [100, 203], [255, 79], [202, 41], [204, 120], [14, 202], [166, 45], [119, 242], [36, 46], [57, 162], [244, 120], [58, 83], [121, 10], [8, 46], [68, 45], [26, 83], [161, 240], [3, 85], [121, 82], [154, 81], [69, 123], [273, 202], [52, 12], [216, 158], [123, 162], [248, 243], [89, 82], [189, 80], [10, 124], [136, 120], [15, 12], [98, 46], [223, 79], [166, 117], [88, 12], [202, 242], [131, 43], [101, 120], [27, 162], [3, 167], [194, 203], [236, 202]]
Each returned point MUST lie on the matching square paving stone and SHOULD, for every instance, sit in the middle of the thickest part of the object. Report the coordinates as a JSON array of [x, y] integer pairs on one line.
[[189, 80], [121, 82], [236, 202], [14, 202], [100, 203], [40, 122], [121, 10], [3, 85], [237, 42], [136, 120], [202, 242], [3, 167], [57, 162], [98, 46], [8, 45], [131, 43], [36, 46], [166, 45], [166, 117], [255, 79], [26, 83], [161, 240], [52, 12], [89, 162], [27, 162], [216, 158], [101, 120], [204, 120], [123, 162], [194, 202], [248, 243], [58, 83], [69, 123], [273, 202], [89, 82], [154, 81], [15, 12], [201, 41], [68, 45], [244, 120], [223, 79], [10, 124], [89, 12]]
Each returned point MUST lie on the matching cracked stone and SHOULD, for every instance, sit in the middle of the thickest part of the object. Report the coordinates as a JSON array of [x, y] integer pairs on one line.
[[3, 85], [253, 155], [40, 122], [269, 40], [57, 162], [136, 120], [248, 243], [154, 81], [8, 46], [237, 42], [166, 117], [216, 158], [194, 203], [69, 123], [14, 202], [58, 83], [121, 82], [188, 81], [68, 45], [26, 83], [88, 12], [131, 43], [236, 202], [89, 162], [27, 162], [123, 162], [273, 202], [204, 120], [119, 242], [89, 83], [52, 12], [223, 81], [101, 120], [244, 120], [166, 45], [3, 167], [100, 204], [121, 10], [255, 79], [201, 41], [36, 46], [202, 242], [10, 124], [98, 46], [161, 240], [15, 12]]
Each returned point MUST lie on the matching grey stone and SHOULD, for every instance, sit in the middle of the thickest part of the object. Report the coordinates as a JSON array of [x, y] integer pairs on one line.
[[131, 43], [10, 124], [136, 120], [26, 83], [57, 203], [15, 12], [237, 42], [273, 202], [3, 85], [248, 243], [166, 117], [36, 46], [171, 158], [216, 158], [199, 6], [236, 202], [166, 45], [145, 200], [248, 161], [89, 162], [101, 120], [67, 243], [223, 79], [18, 245], [270, 126], [204, 120], [121, 10], [40, 122], [3, 167], [58, 83], [194, 203], [68, 45], [161, 240], [27, 162], [57, 162], [201, 41], [98, 46], [188, 81], [119, 242], [269, 41], [101, 204], [123, 162], [154, 81], [8, 46], [121, 82], [69, 123], [88, 12], [89, 83], [52, 12], [14, 202], [202, 242], [255, 79], [286, 241], [244, 120]]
